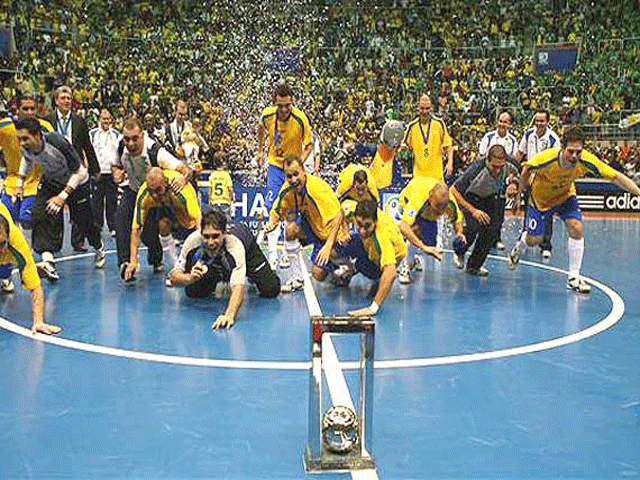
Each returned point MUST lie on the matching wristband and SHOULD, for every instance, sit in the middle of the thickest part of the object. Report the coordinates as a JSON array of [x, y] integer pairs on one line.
[[374, 307], [64, 195]]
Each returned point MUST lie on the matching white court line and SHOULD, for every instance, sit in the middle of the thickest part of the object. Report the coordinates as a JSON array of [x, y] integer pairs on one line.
[[607, 322], [336, 382]]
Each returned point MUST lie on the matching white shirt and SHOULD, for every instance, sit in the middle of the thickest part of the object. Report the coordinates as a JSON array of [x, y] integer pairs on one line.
[[531, 144], [509, 142], [105, 144], [63, 125]]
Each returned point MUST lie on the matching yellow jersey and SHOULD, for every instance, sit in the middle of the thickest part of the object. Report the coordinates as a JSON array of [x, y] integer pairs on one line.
[[285, 138], [12, 157], [414, 202], [220, 188], [183, 204], [345, 182], [552, 185], [19, 254], [427, 143], [318, 203], [386, 246], [382, 166]]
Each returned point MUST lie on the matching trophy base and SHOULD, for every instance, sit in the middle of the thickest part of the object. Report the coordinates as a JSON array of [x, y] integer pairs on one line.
[[331, 462]]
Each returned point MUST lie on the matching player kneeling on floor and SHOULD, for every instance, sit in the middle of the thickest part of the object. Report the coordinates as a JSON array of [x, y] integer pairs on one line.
[[377, 247], [223, 253], [14, 251]]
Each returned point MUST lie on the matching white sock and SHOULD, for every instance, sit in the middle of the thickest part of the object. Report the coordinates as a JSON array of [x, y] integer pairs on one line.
[[411, 251], [292, 249], [169, 244], [47, 257], [522, 244], [576, 251], [272, 241]]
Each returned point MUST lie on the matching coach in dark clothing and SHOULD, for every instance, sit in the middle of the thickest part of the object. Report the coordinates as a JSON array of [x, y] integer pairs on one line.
[[75, 130], [223, 253], [480, 192], [62, 182]]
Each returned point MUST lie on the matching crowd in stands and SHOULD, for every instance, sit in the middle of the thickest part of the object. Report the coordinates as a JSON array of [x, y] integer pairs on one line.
[[352, 66]]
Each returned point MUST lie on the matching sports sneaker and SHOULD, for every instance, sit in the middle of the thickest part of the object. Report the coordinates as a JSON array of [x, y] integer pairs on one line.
[[7, 286], [500, 246], [478, 272], [292, 285], [284, 261], [47, 270], [113, 233], [158, 268], [514, 257], [404, 277], [577, 284], [101, 258], [167, 282], [546, 254], [417, 263], [458, 261], [342, 275]]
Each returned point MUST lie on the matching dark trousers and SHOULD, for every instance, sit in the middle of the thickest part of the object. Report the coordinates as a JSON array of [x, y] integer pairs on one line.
[[104, 198], [258, 272], [48, 229], [149, 235], [484, 236]]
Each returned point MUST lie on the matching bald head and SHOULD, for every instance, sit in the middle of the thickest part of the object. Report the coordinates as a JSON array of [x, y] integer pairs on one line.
[[154, 178], [439, 197]]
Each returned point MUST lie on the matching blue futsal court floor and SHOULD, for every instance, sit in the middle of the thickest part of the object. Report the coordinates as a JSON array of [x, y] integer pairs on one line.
[[510, 376]]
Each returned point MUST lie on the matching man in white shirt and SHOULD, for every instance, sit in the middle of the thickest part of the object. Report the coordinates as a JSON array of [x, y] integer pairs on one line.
[[104, 191], [534, 140]]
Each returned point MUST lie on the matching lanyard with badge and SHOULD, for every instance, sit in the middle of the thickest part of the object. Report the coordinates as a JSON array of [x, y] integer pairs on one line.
[[62, 129], [425, 138]]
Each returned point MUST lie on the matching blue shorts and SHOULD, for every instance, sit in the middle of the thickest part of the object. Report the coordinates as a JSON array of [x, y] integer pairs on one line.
[[364, 265], [310, 238], [275, 180], [177, 231], [5, 271], [536, 219], [428, 228], [428, 231], [20, 210]]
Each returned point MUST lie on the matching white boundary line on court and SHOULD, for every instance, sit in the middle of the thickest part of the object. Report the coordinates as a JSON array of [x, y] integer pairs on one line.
[[613, 317]]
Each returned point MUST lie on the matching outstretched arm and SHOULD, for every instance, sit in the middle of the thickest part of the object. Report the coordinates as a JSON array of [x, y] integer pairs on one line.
[[624, 182]]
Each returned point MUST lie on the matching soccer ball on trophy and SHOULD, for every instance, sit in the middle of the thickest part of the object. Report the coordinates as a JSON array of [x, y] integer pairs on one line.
[[392, 134], [340, 429]]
